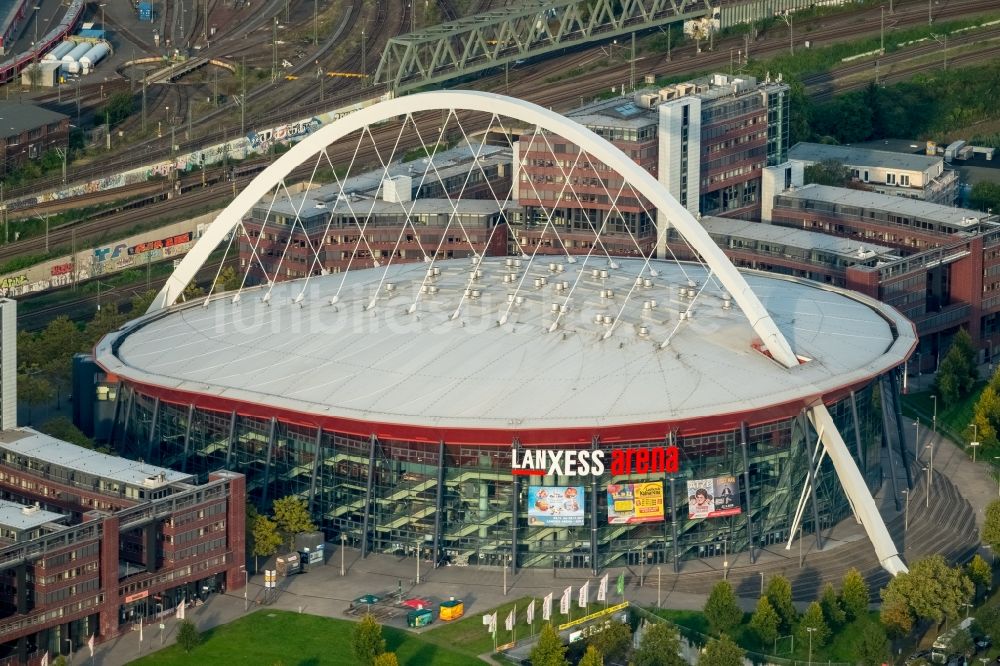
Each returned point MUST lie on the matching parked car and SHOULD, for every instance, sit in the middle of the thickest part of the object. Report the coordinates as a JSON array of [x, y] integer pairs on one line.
[[983, 643]]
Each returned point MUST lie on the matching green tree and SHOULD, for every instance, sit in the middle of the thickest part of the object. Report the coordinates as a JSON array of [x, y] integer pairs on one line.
[[979, 572], [592, 657], [549, 650], [779, 595], [105, 320], [828, 172], [833, 612], [266, 538], [765, 622], [985, 195], [812, 619], [34, 390], [386, 659], [59, 661], [961, 642], [62, 428], [188, 636], [228, 280], [140, 302], [119, 107], [367, 640], [292, 516], [660, 646], [722, 652], [854, 594], [191, 292], [991, 526], [871, 647], [614, 642], [722, 610], [896, 616], [986, 418], [987, 620], [957, 373], [931, 590]]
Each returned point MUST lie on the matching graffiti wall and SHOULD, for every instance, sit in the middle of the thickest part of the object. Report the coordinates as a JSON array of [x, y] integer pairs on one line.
[[256, 142], [169, 242]]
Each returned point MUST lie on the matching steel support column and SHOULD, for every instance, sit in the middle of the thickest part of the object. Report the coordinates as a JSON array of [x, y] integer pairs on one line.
[[265, 491], [368, 497], [887, 442], [128, 420], [594, 565], [515, 509], [152, 428], [857, 429], [317, 461], [898, 413], [118, 410], [812, 458], [187, 438], [21, 580], [439, 504], [744, 436], [673, 527], [232, 439]]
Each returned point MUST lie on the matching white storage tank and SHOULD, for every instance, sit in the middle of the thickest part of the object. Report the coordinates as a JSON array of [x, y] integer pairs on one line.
[[59, 51], [71, 59], [94, 56]]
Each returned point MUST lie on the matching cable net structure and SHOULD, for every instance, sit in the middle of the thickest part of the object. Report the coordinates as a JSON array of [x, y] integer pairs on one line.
[[554, 252]]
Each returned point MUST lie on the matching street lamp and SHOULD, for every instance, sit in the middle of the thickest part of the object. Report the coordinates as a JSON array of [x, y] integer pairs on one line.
[[916, 437], [418, 561], [973, 445], [657, 586], [927, 496], [810, 630], [69, 641], [762, 583], [934, 422], [246, 584], [343, 541], [906, 512]]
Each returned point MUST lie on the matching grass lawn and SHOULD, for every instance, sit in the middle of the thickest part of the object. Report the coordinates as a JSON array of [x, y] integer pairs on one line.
[[271, 636], [953, 420]]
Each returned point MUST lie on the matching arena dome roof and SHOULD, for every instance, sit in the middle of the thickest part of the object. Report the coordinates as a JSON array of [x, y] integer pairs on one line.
[[391, 350]]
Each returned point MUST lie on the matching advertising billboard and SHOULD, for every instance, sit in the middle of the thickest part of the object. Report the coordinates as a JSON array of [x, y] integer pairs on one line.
[[555, 505], [630, 503], [713, 498]]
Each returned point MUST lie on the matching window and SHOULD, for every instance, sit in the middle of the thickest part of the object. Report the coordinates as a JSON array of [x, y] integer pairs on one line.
[[904, 180], [890, 179], [865, 175]]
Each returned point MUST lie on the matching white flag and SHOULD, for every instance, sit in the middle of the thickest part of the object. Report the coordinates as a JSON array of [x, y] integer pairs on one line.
[[602, 589], [45, 659], [564, 601], [547, 607], [140, 630], [584, 597], [531, 612], [90, 644], [180, 610], [493, 623], [509, 624]]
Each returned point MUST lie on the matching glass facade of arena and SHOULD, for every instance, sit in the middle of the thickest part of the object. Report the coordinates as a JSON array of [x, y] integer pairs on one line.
[[460, 501]]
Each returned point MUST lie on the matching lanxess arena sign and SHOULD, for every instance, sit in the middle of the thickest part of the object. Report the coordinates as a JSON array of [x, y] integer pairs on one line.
[[586, 462]]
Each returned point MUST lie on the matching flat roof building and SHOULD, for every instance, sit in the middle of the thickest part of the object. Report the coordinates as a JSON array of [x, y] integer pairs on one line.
[[906, 175], [91, 543]]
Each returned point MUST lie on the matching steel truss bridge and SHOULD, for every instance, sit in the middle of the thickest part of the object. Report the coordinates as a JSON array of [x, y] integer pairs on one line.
[[539, 27]]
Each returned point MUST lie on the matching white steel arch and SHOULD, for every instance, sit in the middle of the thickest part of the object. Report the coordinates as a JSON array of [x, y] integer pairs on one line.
[[462, 100], [643, 183]]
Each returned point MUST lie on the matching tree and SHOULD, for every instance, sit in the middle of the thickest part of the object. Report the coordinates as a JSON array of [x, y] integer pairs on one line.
[[961, 642], [191, 292], [765, 622], [985, 195], [779, 595], [34, 390], [188, 636], [367, 640], [660, 646], [987, 620], [828, 172], [931, 590], [833, 612], [614, 642], [896, 617], [119, 107], [991, 527], [292, 516], [722, 652], [62, 428], [871, 646], [228, 280], [979, 572], [722, 610], [813, 619], [957, 373], [141, 302], [549, 650], [854, 594], [986, 417], [386, 659], [266, 538], [59, 661], [592, 657], [105, 320]]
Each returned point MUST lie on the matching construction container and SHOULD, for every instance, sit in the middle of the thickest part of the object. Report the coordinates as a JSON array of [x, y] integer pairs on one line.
[[59, 51], [94, 56]]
